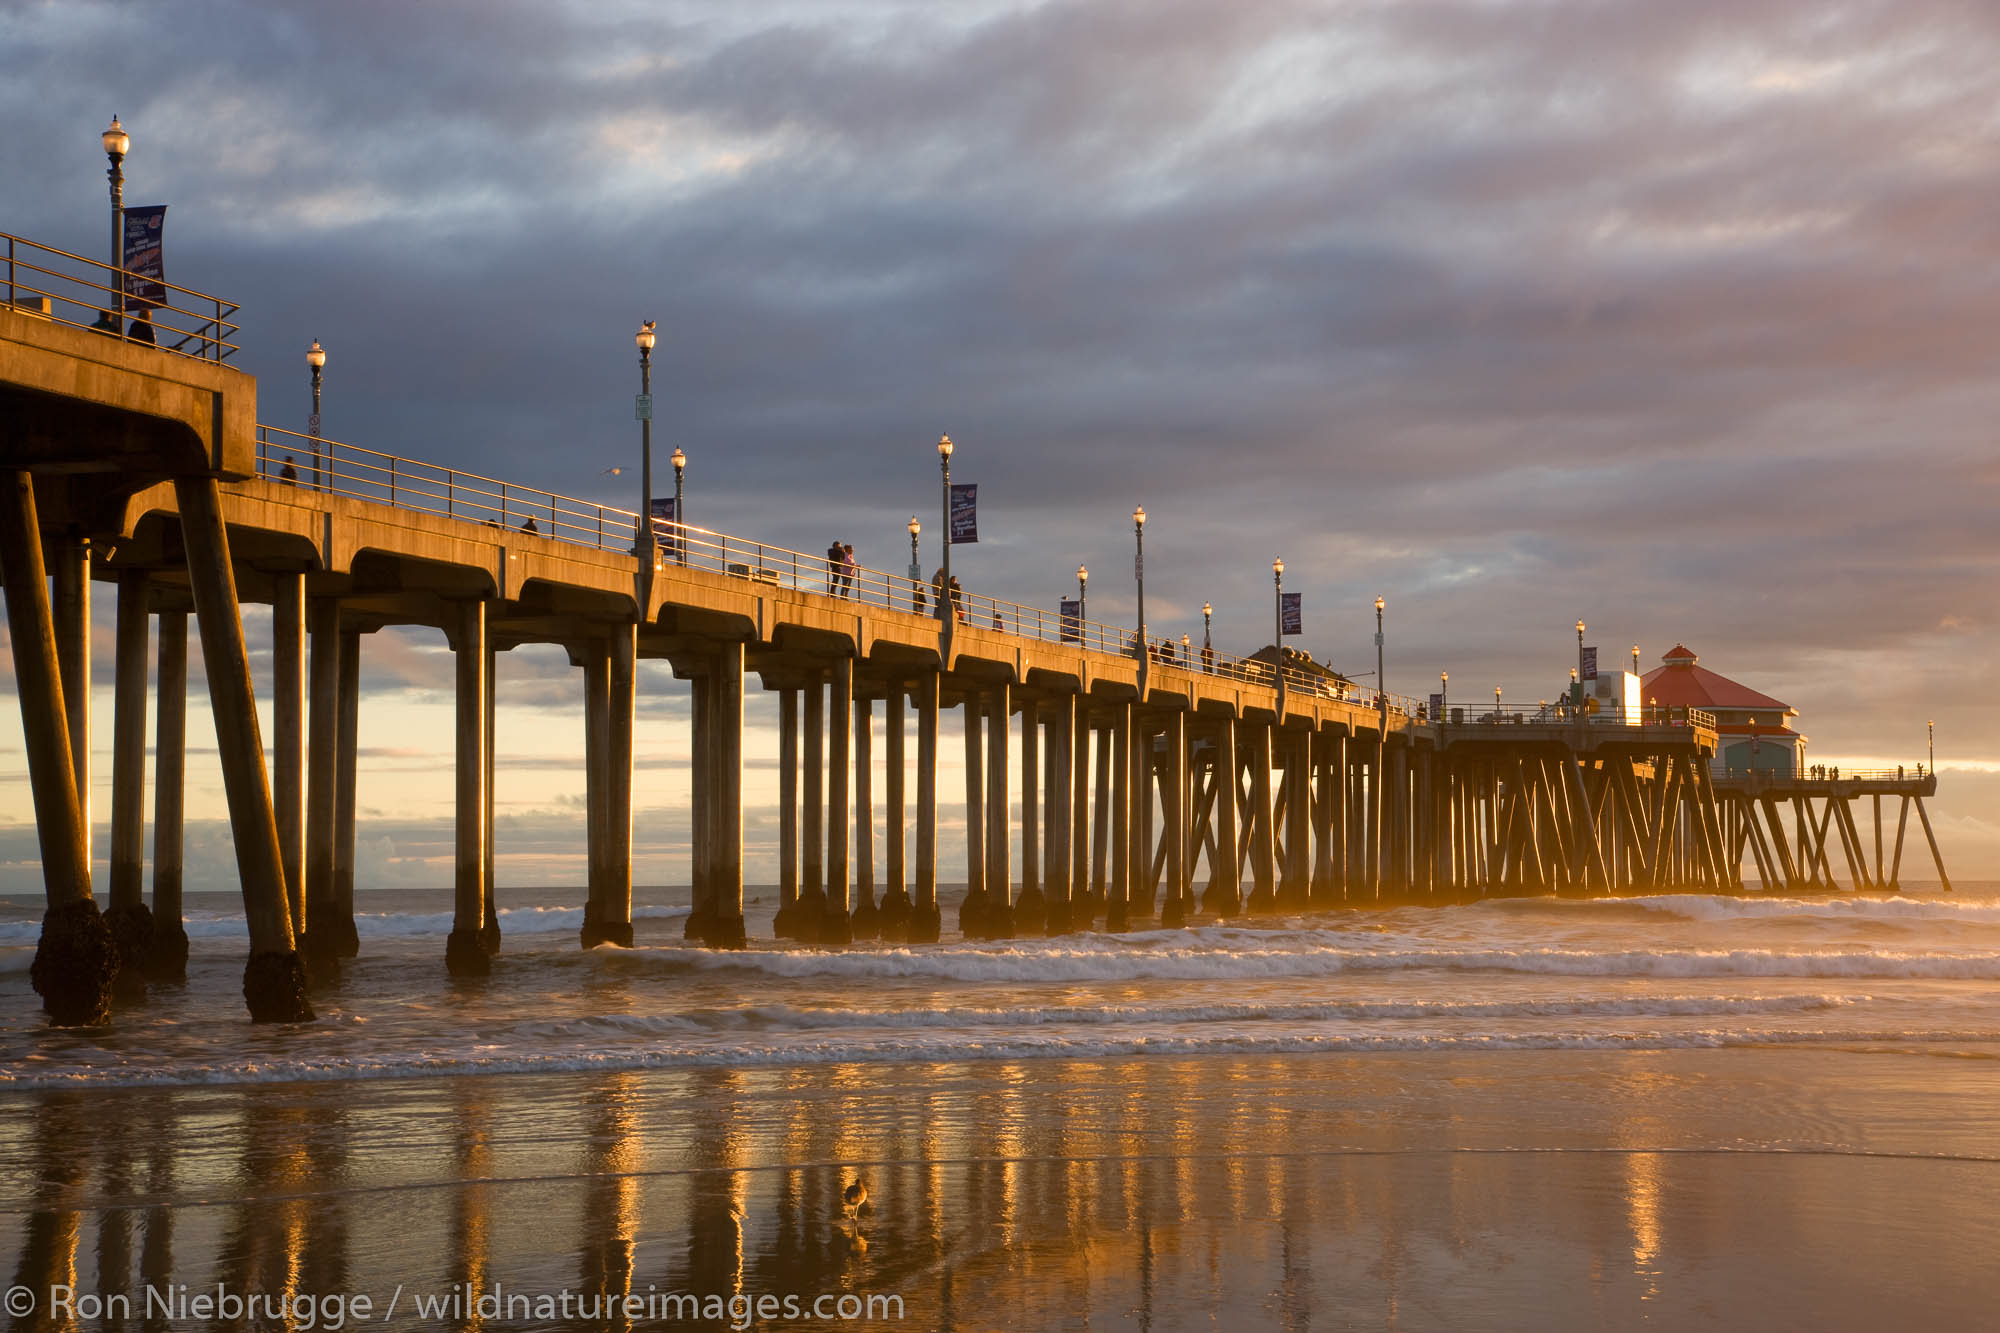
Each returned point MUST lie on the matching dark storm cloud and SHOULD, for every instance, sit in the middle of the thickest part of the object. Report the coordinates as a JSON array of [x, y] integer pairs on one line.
[[1673, 316]]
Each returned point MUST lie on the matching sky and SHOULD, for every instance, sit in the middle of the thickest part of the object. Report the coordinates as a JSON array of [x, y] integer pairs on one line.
[[1672, 318]]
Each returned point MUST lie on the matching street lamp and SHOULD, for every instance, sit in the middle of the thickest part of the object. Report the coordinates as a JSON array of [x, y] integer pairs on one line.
[[680, 462], [1930, 730], [1139, 571], [1278, 619], [944, 571], [1496, 701], [1635, 659], [644, 338], [316, 359], [1579, 648], [1082, 605], [1444, 695], [916, 568], [1381, 699], [116, 144], [1186, 658], [1207, 614], [1575, 691]]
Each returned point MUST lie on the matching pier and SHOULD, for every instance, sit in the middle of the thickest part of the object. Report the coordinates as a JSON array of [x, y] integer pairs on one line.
[[1152, 784]]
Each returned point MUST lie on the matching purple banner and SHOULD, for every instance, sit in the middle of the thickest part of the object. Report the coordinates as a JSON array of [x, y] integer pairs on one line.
[[1291, 613], [144, 259], [965, 514], [1072, 621], [1588, 669]]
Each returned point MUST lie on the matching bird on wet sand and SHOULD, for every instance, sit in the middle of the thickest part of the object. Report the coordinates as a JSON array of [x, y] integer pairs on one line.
[[855, 1198]]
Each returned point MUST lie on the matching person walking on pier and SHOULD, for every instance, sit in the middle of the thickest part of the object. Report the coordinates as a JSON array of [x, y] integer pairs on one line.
[[288, 475], [848, 569], [142, 328], [836, 560]]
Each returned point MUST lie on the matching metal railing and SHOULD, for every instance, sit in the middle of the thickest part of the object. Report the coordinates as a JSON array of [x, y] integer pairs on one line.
[[1558, 713], [331, 467], [86, 294], [1824, 773]]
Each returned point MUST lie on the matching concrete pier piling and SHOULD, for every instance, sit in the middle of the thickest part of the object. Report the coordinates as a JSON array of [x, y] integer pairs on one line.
[[167, 960], [997, 921], [464, 952], [73, 557], [1263, 850], [972, 910], [596, 661], [1031, 909], [345, 942], [812, 884], [836, 922], [786, 924], [319, 939], [615, 918], [925, 918], [893, 920], [127, 916], [867, 919], [724, 824], [1118, 887], [274, 980], [288, 733], [75, 961], [1222, 896], [1059, 865]]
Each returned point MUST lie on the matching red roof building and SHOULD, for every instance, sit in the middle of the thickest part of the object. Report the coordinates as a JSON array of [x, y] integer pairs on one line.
[[1753, 730]]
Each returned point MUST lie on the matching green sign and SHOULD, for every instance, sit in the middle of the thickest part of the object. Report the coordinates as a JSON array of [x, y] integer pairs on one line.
[[642, 407]]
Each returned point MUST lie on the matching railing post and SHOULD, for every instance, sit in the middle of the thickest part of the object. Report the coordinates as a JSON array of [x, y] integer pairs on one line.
[[392, 481], [449, 474]]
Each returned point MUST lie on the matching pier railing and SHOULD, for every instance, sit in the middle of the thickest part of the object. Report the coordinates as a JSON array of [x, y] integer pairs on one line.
[[1827, 775], [46, 283], [336, 468], [1560, 714]]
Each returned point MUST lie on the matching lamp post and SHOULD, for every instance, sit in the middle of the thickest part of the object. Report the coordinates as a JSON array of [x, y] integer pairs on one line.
[[680, 462], [1278, 614], [1496, 701], [1381, 699], [946, 612], [1579, 651], [1635, 659], [1139, 572], [1575, 691], [116, 144], [1930, 731], [916, 567], [644, 338], [316, 359], [1187, 658], [1444, 695], [1207, 613]]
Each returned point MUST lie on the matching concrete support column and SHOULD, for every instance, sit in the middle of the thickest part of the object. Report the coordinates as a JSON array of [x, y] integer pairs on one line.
[[1118, 888], [786, 924], [72, 612], [1101, 876], [924, 915], [701, 702], [867, 916], [701, 783], [725, 806], [1297, 890], [75, 959], [622, 693], [1080, 909], [1139, 899], [288, 741], [489, 929], [894, 919], [347, 738], [1378, 754], [274, 981], [317, 933], [812, 893], [168, 961], [972, 911], [1062, 885], [464, 954], [1031, 909], [999, 859], [1223, 896], [838, 925], [1263, 846], [126, 914], [1177, 900], [596, 789]]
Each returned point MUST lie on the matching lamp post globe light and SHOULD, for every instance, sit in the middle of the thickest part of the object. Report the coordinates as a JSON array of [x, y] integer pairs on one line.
[[1186, 659], [1082, 603], [1139, 571], [916, 567], [1635, 659], [680, 462], [944, 608], [645, 338], [1207, 613], [116, 144], [1579, 648], [316, 360], [1278, 619]]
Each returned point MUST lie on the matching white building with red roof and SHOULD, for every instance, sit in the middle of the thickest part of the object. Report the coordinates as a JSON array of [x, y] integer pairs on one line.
[[1753, 730]]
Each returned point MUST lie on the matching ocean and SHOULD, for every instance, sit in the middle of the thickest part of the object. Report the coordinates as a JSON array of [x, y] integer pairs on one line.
[[1681, 1111]]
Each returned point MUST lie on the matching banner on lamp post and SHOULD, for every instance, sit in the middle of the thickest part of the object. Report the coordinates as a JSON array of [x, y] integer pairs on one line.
[[1588, 667], [143, 259], [964, 514], [1072, 621], [1291, 613]]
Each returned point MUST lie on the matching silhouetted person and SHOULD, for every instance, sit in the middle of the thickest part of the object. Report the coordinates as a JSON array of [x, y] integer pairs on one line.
[[529, 526], [142, 328], [288, 475]]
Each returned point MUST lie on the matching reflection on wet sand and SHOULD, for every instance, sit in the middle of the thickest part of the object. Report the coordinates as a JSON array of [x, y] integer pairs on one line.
[[1134, 1193]]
